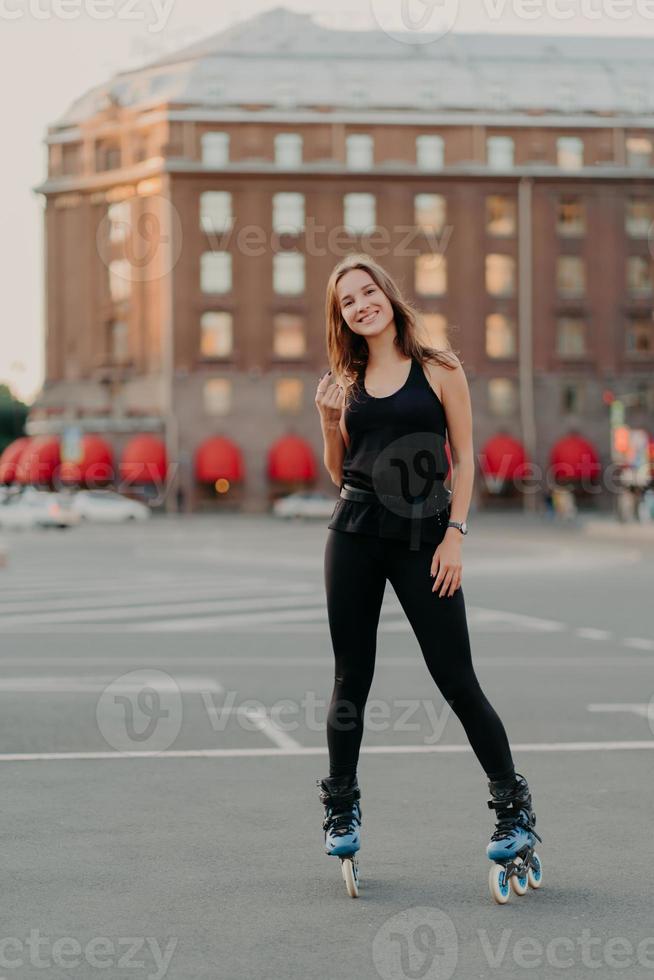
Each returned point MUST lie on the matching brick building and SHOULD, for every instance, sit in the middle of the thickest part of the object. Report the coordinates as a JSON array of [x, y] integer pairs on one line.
[[194, 210]]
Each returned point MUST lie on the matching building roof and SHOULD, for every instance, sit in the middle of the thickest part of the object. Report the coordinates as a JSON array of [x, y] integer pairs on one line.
[[285, 59]]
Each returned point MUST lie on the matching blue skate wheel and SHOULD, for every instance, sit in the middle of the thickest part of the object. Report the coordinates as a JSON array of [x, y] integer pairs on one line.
[[498, 884], [535, 872], [520, 882]]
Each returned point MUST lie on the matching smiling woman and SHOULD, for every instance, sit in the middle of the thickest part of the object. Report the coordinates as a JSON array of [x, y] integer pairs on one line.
[[385, 428]]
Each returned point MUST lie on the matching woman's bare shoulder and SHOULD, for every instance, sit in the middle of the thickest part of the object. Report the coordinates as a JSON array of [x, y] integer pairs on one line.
[[438, 374]]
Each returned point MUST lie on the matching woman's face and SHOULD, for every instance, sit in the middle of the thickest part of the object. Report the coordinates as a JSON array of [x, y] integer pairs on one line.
[[365, 307]]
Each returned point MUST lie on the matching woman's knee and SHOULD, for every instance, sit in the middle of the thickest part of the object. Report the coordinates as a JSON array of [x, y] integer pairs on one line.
[[460, 692]]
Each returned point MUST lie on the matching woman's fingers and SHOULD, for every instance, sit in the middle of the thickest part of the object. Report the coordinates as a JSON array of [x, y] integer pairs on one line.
[[447, 580]]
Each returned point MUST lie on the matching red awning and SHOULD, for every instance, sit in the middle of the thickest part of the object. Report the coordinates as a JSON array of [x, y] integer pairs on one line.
[[144, 460], [10, 457], [96, 465], [39, 461], [504, 457], [291, 460], [218, 458], [574, 458]]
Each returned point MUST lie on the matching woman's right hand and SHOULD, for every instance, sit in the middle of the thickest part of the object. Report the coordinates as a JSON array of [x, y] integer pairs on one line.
[[329, 401]]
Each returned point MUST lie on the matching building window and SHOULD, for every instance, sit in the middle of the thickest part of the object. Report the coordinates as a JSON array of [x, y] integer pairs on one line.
[[644, 396], [430, 152], [288, 150], [500, 275], [502, 396], [639, 214], [217, 396], [216, 272], [119, 216], [639, 275], [288, 273], [499, 152], [216, 211], [570, 276], [71, 158], [120, 280], [359, 151], [435, 330], [500, 336], [140, 148], [215, 149], [359, 213], [216, 334], [639, 152], [571, 217], [570, 152], [429, 212], [570, 336], [118, 342], [431, 275], [107, 156], [640, 337], [288, 395], [572, 397], [289, 335], [288, 213], [500, 216]]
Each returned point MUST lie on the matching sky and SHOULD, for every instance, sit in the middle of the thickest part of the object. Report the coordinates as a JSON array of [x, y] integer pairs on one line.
[[51, 51]]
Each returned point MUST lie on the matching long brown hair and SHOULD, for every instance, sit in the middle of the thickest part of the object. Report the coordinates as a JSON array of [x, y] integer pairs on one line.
[[348, 351]]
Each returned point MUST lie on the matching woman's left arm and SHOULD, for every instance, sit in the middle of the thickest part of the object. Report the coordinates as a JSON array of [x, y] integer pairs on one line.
[[455, 396]]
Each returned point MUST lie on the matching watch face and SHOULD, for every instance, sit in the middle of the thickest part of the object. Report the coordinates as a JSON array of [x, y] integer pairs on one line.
[[464, 528]]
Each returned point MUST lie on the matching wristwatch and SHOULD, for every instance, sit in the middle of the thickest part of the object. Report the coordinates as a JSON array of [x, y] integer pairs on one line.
[[463, 527]]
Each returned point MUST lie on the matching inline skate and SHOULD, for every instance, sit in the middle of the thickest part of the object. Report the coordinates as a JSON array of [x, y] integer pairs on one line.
[[340, 796], [511, 847]]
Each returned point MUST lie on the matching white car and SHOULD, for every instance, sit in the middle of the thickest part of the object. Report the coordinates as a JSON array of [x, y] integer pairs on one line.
[[310, 503], [36, 508], [107, 506]]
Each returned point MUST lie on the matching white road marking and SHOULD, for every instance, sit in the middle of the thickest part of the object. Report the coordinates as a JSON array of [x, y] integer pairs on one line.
[[262, 720], [135, 612], [590, 633], [138, 596], [638, 643], [319, 751], [643, 710], [60, 684]]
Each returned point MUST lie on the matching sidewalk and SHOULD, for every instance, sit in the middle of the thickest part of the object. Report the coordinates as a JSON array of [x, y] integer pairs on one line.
[[610, 527]]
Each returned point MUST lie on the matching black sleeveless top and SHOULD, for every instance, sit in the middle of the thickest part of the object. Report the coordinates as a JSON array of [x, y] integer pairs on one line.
[[397, 450]]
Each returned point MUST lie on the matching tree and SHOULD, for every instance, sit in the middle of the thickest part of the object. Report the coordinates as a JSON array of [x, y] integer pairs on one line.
[[13, 414]]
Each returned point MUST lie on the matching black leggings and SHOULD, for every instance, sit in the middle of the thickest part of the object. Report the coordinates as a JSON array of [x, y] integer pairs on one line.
[[356, 568]]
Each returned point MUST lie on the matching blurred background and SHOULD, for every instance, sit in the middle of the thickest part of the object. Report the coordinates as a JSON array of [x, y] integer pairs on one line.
[[182, 179]]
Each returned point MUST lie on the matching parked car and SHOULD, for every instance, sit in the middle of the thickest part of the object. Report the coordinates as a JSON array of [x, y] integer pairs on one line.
[[309, 503], [36, 508], [107, 506]]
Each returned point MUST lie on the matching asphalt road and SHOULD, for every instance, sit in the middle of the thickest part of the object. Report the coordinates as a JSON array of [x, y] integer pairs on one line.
[[163, 694]]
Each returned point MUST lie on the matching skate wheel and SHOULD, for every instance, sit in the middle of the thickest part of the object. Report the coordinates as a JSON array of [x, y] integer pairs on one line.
[[520, 882], [498, 884], [350, 872], [535, 872]]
